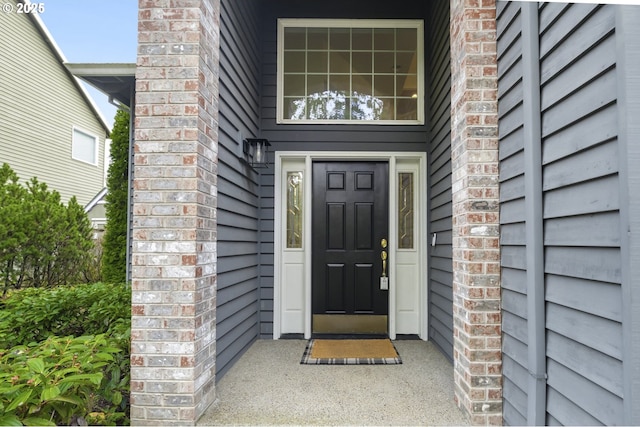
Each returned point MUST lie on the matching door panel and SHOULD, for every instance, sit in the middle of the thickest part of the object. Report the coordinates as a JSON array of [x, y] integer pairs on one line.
[[350, 218], [364, 295], [335, 288], [336, 226], [364, 226]]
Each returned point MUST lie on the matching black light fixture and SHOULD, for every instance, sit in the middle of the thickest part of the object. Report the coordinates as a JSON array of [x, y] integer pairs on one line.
[[255, 151]]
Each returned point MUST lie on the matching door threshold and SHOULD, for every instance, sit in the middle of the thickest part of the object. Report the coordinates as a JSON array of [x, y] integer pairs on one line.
[[292, 336], [349, 336], [374, 324]]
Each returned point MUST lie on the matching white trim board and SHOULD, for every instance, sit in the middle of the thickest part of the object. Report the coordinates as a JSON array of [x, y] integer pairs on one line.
[[292, 267]]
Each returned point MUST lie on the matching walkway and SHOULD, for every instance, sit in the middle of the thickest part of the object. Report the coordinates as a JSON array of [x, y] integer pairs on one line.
[[269, 386]]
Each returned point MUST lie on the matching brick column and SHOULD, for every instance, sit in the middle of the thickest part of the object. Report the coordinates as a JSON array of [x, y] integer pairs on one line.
[[476, 249], [174, 212]]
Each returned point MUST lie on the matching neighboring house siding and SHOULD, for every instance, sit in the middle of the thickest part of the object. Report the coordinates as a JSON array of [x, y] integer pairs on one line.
[[439, 171], [39, 105], [238, 189], [579, 188]]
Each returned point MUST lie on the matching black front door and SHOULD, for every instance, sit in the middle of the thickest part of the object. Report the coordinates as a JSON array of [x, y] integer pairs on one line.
[[350, 226]]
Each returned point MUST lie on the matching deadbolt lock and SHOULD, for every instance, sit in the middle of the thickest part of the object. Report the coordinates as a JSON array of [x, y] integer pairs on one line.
[[383, 243]]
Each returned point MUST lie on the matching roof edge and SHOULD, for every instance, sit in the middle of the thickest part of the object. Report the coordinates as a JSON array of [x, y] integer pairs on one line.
[[100, 68], [96, 199]]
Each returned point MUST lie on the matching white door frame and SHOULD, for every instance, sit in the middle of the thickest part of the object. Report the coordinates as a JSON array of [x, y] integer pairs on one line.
[[302, 311]]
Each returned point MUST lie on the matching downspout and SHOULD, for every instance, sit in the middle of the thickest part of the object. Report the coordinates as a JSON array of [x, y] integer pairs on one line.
[[130, 184], [259, 253], [536, 388]]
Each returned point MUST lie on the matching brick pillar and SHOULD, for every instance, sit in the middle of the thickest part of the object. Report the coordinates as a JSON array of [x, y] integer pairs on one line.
[[174, 212], [476, 249]]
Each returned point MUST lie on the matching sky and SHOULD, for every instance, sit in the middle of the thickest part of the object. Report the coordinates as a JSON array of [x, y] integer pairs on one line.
[[100, 31]]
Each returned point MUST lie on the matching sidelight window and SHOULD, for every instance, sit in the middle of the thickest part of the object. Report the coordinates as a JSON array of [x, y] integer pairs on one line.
[[405, 210], [294, 210], [345, 71]]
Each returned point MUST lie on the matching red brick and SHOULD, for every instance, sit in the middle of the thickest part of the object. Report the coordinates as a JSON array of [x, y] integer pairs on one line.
[[137, 360], [137, 310]]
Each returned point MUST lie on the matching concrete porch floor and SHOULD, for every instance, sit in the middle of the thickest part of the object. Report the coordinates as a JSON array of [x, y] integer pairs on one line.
[[269, 386]]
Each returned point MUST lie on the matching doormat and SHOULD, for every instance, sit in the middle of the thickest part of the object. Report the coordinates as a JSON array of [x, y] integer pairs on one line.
[[351, 352]]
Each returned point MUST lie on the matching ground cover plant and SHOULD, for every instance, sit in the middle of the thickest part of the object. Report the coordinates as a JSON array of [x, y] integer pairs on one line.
[[64, 355]]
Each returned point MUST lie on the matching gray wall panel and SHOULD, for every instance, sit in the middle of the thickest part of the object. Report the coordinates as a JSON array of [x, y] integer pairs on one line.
[[237, 299], [581, 359], [597, 402], [512, 214], [439, 170], [581, 202], [516, 375], [517, 404], [600, 334], [515, 326], [594, 129], [602, 264], [516, 350], [565, 412], [511, 143], [513, 211], [580, 179], [583, 198], [605, 298], [512, 190], [511, 166]]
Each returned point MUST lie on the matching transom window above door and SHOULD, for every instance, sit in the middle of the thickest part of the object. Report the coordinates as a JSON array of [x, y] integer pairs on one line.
[[350, 71]]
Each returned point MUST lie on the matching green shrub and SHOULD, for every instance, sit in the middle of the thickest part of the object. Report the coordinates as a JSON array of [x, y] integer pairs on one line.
[[114, 244], [43, 243], [62, 380], [33, 315]]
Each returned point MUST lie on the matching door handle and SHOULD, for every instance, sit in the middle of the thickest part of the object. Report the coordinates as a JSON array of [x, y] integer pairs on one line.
[[383, 255]]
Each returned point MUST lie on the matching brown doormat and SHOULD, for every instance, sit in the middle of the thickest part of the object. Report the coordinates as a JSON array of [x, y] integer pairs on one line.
[[350, 352]]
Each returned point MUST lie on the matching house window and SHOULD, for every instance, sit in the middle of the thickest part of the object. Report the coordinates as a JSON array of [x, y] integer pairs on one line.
[[346, 71], [84, 147]]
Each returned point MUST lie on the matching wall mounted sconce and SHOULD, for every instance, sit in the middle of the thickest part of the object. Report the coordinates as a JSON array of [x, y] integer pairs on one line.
[[255, 151]]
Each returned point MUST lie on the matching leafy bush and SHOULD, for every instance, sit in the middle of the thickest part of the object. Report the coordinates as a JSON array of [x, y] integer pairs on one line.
[[33, 315], [62, 380], [43, 243]]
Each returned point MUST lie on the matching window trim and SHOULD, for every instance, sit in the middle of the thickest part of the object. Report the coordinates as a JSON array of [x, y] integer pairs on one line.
[[418, 24], [96, 145]]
